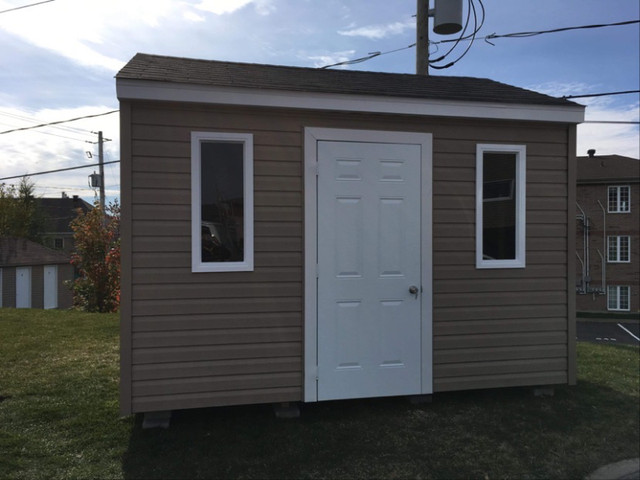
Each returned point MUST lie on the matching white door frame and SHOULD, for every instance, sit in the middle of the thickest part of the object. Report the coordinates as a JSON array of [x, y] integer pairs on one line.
[[311, 136]]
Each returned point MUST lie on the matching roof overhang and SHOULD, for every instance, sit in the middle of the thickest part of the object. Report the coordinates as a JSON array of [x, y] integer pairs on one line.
[[131, 89]]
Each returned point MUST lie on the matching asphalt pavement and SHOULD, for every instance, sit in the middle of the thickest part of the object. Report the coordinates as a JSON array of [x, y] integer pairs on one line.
[[627, 333]]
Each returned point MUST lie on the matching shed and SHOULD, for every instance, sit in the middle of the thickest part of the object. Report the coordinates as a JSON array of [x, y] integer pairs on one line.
[[33, 276], [295, 234]]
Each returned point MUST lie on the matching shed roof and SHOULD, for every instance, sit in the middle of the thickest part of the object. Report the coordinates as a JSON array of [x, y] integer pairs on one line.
[[157, 68], [22, 252], [608, 168]]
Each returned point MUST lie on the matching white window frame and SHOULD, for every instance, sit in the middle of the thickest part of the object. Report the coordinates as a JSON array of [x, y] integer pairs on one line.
[[617, 291], [618, 189], [197, 265], [520, 152], [617, 240]]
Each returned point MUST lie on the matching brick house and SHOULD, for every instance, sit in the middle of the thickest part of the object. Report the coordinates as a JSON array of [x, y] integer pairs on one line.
[[59, 212], [608, 234]]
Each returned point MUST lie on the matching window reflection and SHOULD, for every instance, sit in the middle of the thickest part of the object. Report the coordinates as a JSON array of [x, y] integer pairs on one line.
[[222, 197], [499, 206]]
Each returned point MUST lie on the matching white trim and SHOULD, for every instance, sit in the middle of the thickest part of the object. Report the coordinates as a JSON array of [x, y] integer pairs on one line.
[[197, 265], [521, 206], [618, 296], [618, 187], [178, 92], [311, 137], [617, 241]]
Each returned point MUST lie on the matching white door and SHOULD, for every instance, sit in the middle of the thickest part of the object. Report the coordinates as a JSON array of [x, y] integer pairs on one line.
[[23, 287], [51, 286], [369, 269]]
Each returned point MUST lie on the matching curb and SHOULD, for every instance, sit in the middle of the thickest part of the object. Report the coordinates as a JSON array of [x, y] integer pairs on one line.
[[624, 470]]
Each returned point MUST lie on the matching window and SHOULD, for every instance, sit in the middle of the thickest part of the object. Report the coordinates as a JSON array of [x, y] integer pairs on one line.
[[58, 243], [618, 297], [221, 202], [618, 248], [500, 206], [618, 199]]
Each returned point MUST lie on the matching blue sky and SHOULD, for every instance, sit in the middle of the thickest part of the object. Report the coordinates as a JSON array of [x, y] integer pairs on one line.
[[58, 61]]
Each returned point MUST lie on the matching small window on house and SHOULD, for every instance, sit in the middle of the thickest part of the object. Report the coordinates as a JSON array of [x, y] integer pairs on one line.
[[618, 248], [58, 243], [618, 199], [221, 202], [618, 297], [500, 206]]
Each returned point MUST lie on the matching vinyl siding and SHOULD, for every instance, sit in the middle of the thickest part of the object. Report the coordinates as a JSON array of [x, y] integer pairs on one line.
[[196, 340]]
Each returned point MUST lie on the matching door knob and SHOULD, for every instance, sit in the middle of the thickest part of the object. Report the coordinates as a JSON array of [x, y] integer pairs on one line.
[[413, 290]]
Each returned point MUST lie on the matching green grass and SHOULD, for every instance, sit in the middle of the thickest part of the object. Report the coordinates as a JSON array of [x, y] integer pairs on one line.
[[59, 419]]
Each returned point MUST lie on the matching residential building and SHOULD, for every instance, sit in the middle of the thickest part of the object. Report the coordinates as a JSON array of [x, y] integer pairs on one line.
[[59, 212], [608, 233]]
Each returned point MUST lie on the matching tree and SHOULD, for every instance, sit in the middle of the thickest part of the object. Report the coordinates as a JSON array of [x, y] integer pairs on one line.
[[20, 215], [97, 258]]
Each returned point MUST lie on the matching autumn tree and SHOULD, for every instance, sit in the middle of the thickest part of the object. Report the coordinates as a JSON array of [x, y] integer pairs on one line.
[[20, 215], [97, 258]]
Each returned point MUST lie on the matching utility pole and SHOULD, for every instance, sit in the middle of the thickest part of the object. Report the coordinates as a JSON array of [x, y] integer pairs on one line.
[[422, 38], [101, 166]]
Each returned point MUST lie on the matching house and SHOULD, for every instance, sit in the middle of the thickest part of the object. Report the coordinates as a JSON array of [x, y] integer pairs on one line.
[[32, 275], [608, 233], [295, 234], [59, 213]]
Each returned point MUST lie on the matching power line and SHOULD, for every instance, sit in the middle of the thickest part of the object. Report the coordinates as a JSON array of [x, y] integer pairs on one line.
[[26, 6], [58, 170], [59, 122], [601, 94], [492, 36]]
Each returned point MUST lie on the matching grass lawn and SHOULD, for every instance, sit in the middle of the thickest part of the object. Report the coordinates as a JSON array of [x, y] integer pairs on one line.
[[59, 419]]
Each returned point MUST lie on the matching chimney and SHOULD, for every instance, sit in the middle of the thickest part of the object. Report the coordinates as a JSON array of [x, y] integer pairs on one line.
[[591, 152]]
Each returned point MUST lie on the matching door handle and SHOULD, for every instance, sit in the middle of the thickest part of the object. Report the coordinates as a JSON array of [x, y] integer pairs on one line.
[[413, 290]]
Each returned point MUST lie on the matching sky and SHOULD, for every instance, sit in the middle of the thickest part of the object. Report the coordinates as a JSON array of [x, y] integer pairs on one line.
[[58, 60]]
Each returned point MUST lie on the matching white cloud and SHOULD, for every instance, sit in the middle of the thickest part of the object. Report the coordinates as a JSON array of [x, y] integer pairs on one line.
[[193, 17], [221, 7], [330, 58], [376, 32], [62, 146], [605, 138]]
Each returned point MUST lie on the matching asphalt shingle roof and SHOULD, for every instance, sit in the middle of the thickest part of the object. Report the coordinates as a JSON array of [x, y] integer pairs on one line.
[[606, 168], [20, 251], [270, 77]]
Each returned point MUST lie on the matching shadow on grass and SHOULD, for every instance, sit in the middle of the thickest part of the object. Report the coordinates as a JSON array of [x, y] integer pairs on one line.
[[504, 433]]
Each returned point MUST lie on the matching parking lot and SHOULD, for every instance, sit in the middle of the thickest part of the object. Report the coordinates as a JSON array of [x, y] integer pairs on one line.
[[627, 332]]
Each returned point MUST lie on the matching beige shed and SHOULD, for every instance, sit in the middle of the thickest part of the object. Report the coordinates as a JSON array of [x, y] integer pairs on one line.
[[298, 235]]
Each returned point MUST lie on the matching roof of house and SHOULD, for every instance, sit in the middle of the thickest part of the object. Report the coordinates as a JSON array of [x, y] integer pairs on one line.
[[284, 78], [15, 252], [61, 211], [608, 168]]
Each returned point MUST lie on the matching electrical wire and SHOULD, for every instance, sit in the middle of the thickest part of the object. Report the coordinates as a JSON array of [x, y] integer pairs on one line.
[[59, 170], [368, 57], [59, 122], [476, 28], [601, 94], [26, 6]]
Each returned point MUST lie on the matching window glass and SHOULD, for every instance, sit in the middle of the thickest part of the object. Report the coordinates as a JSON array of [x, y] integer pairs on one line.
[[618, 199], [222, 202], [499, 206]]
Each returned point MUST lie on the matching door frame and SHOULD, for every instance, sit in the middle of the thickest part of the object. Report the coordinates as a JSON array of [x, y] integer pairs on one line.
[[312, 135]]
